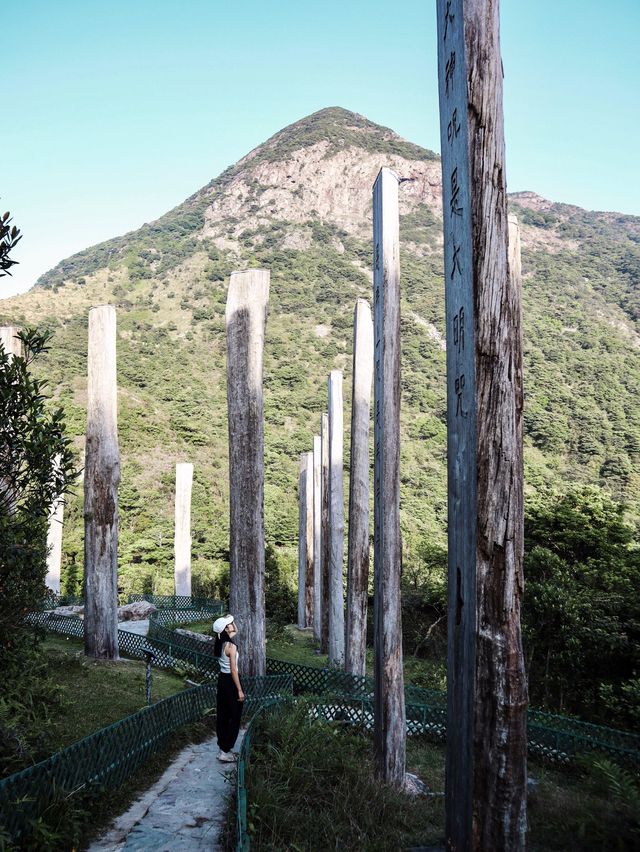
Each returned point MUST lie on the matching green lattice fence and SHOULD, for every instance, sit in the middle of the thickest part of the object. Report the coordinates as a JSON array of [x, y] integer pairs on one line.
[[52, 600], [174, 651], [182, 602], [182, 616], [160, 631], [106, 759], [67, 625], [180, 609], [550, 736]]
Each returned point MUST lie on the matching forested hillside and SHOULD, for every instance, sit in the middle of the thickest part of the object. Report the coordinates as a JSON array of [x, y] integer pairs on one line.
[[300, 205]]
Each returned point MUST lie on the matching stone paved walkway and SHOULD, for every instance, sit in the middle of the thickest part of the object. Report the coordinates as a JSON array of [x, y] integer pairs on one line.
[[183, 812]]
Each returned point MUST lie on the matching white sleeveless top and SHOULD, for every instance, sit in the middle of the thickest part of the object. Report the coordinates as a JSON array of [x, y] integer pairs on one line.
[[225, 662]]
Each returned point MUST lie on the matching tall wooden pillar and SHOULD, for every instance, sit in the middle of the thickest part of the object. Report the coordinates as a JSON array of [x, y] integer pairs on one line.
[[358, 543], [487, 693], [101, 478], [302, 538], [324, 531], [308, 531], [11, 344], [246, 316], [317, 531], [182, 532], [54, 542], [336, 522], [390, 717]]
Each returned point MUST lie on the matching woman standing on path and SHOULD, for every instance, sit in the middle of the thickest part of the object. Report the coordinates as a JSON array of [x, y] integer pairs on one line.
[[230, 694]]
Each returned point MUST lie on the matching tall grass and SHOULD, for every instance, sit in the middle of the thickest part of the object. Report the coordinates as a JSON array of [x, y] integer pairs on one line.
[[311, 785]]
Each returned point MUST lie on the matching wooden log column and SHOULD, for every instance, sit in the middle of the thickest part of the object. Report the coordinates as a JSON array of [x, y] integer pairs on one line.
[[246, 317], [101, 478], [390, 717], [317, 532], [11, 344], [54, 541], [487, 693], [358, 541], [308, 531], [324, 531], [182, 532], [302, 538], [336, 522]]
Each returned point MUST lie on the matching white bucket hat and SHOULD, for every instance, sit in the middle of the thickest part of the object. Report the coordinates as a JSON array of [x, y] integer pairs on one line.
[[220, 623]]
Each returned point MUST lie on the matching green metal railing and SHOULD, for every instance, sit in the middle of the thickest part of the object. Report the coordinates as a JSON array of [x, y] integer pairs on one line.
[[184, 602], [552, 737], [180, 609]]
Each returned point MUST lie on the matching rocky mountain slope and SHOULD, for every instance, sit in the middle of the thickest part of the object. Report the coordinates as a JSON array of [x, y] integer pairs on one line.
[[300, 205]]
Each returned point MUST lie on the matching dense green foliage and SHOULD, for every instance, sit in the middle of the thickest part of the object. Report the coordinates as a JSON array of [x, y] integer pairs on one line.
[[9, 237], [581, 617], [31, 439]]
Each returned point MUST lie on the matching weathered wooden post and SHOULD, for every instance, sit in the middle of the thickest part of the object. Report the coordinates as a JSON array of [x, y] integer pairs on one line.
[[54, 542], [11, 344], [317, 556], [390, 717], [358, 541], [182, 532], [487, 694], [336, 522], [246, 317], [101, 478], [308, 531], [302, 538], [324, 531]]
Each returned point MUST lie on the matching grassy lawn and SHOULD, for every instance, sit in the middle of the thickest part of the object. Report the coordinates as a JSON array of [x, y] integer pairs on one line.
[[97, 693]]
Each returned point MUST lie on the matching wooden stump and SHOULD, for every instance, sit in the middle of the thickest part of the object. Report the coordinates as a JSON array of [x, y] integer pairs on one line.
[[101, 478], [182, 532], [246, 316], [390, 717], [358, 542], [336, 522]]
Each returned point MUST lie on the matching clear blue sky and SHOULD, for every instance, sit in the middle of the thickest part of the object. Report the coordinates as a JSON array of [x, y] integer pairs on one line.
[[114, 112]]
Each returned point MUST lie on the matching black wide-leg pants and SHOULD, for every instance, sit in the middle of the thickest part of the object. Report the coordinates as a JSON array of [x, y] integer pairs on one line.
[[229, 711]]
